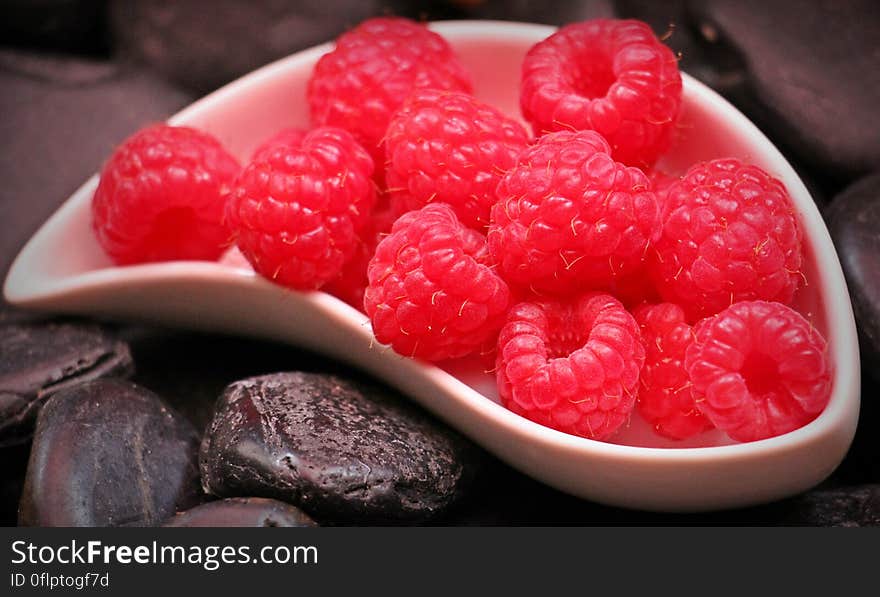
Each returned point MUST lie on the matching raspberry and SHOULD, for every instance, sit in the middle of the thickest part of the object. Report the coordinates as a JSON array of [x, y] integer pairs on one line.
[[729, 234], [374, 67], [665, 398], [570, 218], [297, 210], [161, 197], [449, 147], [351, 283], [661, 182], [611, 76], [758, 370], [430, 294], [573, 366], [291, 137]]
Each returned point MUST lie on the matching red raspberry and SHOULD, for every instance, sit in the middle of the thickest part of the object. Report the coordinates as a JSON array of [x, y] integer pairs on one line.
[[449, 147], [570, 218], [729, 233], [430, 295], [297, 210], [161, 197], [661, 182], [665, 398], [759, 369], [374, 67], [573, 366], [611, 76], [290, 137]]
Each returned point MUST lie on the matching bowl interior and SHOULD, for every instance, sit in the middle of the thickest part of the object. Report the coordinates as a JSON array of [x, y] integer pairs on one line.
[[706, 130], [246, 112]]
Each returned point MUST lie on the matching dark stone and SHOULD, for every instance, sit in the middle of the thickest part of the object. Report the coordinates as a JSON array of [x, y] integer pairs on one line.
[[38, 360], [68, 25], [109, 453], [242, 512], [550, 13], [853, 219], [12, 473], [59, 120], [202, 44], [840, 507], [813, 75], [204, 364], [344, 452]]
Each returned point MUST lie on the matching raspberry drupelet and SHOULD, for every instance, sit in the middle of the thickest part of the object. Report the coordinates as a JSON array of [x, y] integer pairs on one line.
[[729, 233], [610, 76], [373, 68], [450, 148], [431, 296], [296, 211], [161, 197], [569, 218], [665, 397], [571, 365], [759, 369]]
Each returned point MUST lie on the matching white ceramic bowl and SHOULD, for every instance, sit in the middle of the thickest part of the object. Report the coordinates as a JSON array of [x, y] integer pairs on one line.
[[63, 269]]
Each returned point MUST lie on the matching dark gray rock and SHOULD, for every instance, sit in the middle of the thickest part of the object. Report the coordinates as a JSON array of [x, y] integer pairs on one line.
[[109, 453], [202, 44], [839, 507], [814, 75], [68, 25], [14, 459], [854, 223], [38, 360], [59, 120], [242, 512], [551, 13], [344, 452]]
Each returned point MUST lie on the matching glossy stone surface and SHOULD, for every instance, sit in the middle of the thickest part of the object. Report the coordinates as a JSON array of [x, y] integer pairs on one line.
[[242, 512], [854, 223], [343, 451], [40, 359], [109, 453]]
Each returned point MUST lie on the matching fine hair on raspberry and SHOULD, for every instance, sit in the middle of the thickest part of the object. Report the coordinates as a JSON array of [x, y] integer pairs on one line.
[[610, 76], [431, 294], [371, 71], [296, 210], [161, 196], [665, 397], [569, 218], [759, 369], [572, 365], [451, 148], [729, 233]]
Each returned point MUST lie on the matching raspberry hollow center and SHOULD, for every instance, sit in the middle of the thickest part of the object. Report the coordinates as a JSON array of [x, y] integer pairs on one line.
[[593, 77], [761, 374]]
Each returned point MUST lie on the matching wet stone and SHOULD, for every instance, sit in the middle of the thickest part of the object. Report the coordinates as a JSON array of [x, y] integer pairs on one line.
[[38, 360], [857, 506], [109, 453], [853, 223], [815, 79], [242, 512], [343, 451]]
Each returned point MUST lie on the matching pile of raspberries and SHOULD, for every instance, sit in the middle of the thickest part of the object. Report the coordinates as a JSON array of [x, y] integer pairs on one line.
[[598, 284]]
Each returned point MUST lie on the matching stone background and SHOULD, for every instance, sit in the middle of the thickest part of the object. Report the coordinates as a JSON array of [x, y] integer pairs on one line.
[[78, 76]]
